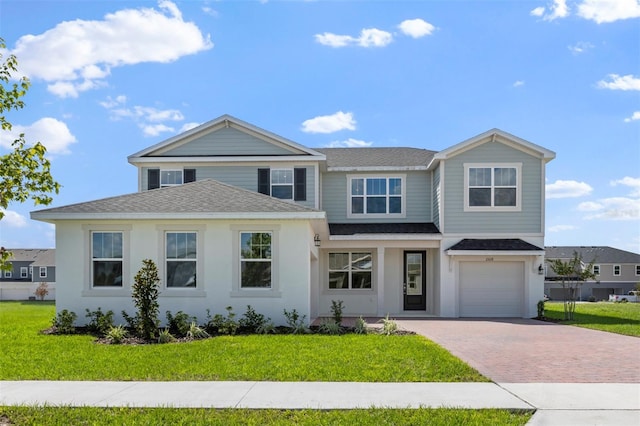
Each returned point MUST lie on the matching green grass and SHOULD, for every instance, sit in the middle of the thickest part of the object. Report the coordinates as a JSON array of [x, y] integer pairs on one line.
[[197, 416], [621, 318], [29, 355]]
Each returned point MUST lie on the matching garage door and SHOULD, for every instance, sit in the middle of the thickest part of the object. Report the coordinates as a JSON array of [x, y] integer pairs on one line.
[[491, 289]]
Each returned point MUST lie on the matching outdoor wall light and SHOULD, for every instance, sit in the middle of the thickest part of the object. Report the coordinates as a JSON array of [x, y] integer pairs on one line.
[[316, 240], [540, 269]]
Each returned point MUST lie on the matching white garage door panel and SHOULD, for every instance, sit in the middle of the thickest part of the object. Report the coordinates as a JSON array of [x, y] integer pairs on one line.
[[491, 289]]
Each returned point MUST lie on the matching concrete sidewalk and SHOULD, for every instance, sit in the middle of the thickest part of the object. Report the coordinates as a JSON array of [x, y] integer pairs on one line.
[[556, 403]]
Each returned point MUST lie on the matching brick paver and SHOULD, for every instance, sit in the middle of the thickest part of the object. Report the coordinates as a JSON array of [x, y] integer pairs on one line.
[[531, 351]]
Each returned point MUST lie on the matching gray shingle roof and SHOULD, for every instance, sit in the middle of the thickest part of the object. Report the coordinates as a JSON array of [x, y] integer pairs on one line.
[[602, 254], [37, 257], [200, 198], [509, 244], [353, 158]]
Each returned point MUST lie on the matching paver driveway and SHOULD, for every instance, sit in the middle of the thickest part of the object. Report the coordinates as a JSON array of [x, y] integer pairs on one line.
[[531, 351]]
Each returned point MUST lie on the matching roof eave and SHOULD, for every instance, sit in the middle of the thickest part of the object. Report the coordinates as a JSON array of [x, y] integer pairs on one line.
[[234, 159], [52, 217], [495, 252]]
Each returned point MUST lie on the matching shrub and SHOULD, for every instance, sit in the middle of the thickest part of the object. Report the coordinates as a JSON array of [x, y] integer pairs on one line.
[[389, 326], [115, 335], [266, 328], [42, 290], [221, 324], [64, 322], [329, 326], [251, 321], [145, 297], [592, 299], [540, 306], [295, 322], [180, 323], [360, 326], [336, 311], [196, 332], [101, 323], [165, 336]]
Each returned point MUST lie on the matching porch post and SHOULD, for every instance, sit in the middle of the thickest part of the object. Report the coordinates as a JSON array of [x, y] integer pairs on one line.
[[380, 281]]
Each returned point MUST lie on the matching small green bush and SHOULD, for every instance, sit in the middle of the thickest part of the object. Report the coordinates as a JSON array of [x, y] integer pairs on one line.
[[295, 322], [115, 335], [101, 322], [251, 321], [164, 336], [221, 324], [360, 326], [389, 326], [540, 307], [180, 323], [196, 332], [145, 294], [331, 327], [268, 327], [336, 311], [64, 322]]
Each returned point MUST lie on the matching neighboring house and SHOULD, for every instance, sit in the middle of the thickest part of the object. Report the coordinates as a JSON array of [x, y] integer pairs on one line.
[[29, 267], [234, 215], [617, 271]]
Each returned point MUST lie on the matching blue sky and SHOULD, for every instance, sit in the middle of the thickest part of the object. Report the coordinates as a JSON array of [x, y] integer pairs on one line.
[[110, 78]]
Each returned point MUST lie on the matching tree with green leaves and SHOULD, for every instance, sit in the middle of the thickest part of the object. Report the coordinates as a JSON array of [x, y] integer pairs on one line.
[[145, 297], [573, 273], [24, 171]]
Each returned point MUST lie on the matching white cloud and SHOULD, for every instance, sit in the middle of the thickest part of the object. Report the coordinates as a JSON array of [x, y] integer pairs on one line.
[[13, 219], [52, 133], [635, 116], [605, 11], [78, 55], [189, 126], [330, 123], [560, 228], [518, 83], [625, 82], [151, 120], [558, 9], [615, 208], [416, 28], [633, 183], [349, 143], [567, 189], [580, 47], [369, 37]]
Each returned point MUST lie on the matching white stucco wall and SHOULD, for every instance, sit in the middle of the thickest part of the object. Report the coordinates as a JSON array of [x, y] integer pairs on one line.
[[217, 259]]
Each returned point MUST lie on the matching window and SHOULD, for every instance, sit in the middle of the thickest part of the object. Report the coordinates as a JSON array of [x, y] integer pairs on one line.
[[24, 272], [350, 270], [596, 269], [30, 271], [492, 187], [106, 256], [282, 184], [181, 258], [255, 259], [637, 270], [170, 178], [157, 178], [43, 272], [376, 196], [616, 270], [7, 274]]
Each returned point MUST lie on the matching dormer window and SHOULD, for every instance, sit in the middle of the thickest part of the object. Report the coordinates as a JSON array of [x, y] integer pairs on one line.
[[492, 187], [170, 178]]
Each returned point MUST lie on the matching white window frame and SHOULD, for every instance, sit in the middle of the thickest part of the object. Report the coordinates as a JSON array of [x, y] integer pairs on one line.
[[493, 166], [166, 185], [237, 289], [43, 272], [24, 272], [619, 270], [190, 260], [30, 271], [349, 271], [596, 270], [7, 274], [272, 184], [88, 288], [364, 214], [103, 259], [268, 260], [637, 270]]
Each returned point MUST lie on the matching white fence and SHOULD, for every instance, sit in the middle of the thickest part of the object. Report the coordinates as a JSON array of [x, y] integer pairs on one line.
[[24, 291]]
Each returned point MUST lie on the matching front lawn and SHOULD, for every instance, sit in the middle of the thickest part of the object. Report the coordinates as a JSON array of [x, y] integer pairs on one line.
[[621, 318], [29, 355], [200, 416]]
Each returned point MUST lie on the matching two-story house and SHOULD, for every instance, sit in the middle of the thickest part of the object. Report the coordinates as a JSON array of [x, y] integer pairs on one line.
[[29, 268], [234, 215], [616, 271]]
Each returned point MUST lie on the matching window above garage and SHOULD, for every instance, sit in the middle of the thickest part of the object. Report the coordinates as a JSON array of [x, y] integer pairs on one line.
[[492, 187]]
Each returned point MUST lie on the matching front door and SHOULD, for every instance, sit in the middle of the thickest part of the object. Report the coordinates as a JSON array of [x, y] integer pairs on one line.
[[415, 281]]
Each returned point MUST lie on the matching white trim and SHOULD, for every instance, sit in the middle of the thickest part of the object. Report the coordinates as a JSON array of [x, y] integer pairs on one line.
[[270, 159], [24, 272], [364, 215], [198, 290], [167, 185], [493, 166], [40, 272], [637, 270], [596, 266], [88, 289], [366, 169], [613, 270], [236, 289], [349, 289], [292, 184], [45, 216]]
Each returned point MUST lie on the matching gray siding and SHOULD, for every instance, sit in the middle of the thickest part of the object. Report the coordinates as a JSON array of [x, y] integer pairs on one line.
[[528, 220], [227, 142], [245, 177], [417, 192], [436, 197]]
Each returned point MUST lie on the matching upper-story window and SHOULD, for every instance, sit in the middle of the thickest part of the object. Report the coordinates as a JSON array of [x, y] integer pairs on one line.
[[43, 272], [24, 272], [376, 196], [282, 183], [616, 270], [490, 187], [285, 184], [596, 269], [162, 178], [637, 270]]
